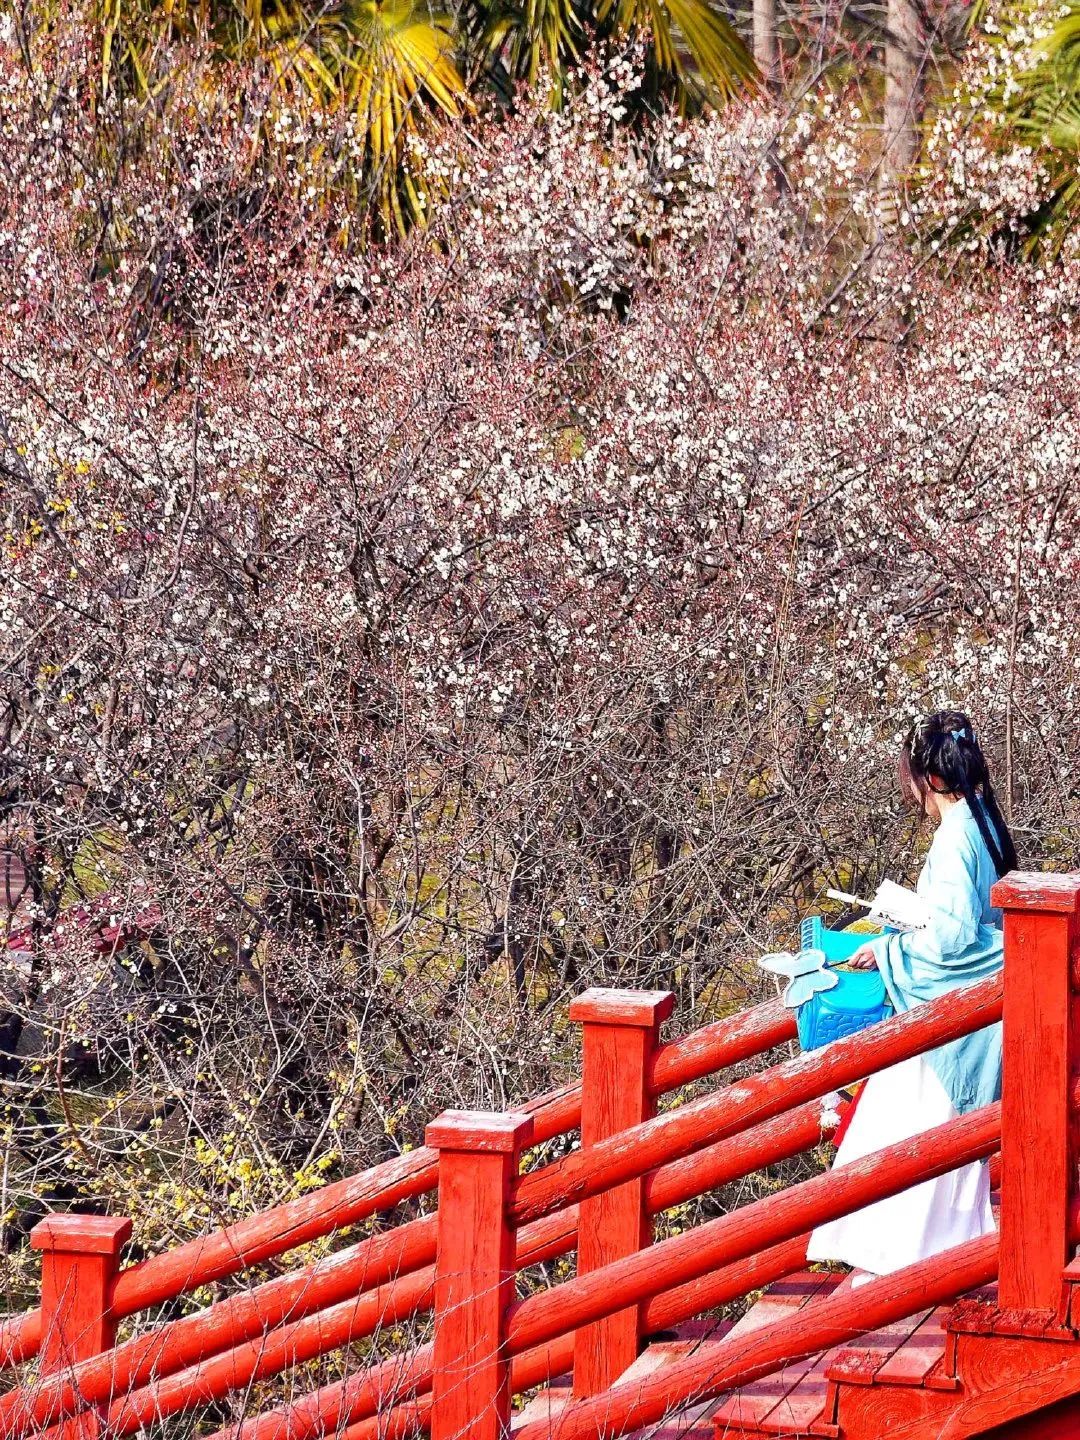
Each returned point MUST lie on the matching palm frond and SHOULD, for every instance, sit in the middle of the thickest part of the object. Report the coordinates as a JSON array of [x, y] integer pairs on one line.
[[531, 38], [693, 41], [391, 62], [723, 64], [1043, 110], [1061, 48]]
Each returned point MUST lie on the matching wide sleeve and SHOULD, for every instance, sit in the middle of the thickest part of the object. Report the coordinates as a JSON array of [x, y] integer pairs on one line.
[[917, 965]]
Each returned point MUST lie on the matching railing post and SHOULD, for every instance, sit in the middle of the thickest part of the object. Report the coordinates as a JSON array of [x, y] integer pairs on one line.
[[620, 1034], [1041, 1050], [474, 1271], [80, 1258]]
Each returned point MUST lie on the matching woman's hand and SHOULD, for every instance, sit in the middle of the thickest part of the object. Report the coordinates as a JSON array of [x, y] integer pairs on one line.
[[863, 959]]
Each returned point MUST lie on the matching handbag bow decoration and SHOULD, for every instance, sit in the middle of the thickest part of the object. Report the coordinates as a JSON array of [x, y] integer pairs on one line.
[[807, 974]]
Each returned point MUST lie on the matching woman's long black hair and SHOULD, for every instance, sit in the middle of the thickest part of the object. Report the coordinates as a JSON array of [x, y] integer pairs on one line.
[[943, 754]]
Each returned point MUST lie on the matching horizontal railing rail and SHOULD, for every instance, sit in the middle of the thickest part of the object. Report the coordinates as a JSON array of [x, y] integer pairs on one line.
[[349, 1403], [677, 1277], [226, 1252], [569, 1305], [713, 1047], [375, 1395], [759, 1097], [348, 1297], [826, 1324], [459, 1260], [381, 1188], [736, 1235]]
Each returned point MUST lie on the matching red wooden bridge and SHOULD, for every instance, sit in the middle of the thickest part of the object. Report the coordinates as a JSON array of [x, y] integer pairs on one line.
[[981, 1340]]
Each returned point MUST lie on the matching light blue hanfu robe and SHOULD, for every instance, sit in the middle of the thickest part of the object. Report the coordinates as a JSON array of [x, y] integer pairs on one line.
[[963, 944]]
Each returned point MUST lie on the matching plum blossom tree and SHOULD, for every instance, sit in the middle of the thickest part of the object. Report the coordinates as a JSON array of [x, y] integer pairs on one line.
[[398, 640]]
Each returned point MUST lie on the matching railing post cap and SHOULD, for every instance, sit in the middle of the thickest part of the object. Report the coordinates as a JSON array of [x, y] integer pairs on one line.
[[486, 1131], [644, 1008], [81, 1234], [1038, 890]]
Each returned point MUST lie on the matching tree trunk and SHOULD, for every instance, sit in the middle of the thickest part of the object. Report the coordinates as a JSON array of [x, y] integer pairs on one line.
[[905, 54], [765, 46]]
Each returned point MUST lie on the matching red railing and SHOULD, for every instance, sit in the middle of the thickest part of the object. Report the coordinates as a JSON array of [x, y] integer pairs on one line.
[[347, 1202], [460, 1262]]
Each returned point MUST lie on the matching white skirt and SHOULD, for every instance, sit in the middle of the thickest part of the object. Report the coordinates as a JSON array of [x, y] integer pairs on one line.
[[930, 1217]]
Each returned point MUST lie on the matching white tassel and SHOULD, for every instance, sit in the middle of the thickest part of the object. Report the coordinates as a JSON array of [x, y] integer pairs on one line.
[[830, 1111]]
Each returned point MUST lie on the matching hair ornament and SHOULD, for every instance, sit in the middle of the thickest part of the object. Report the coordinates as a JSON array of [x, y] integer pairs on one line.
[[958, 734]]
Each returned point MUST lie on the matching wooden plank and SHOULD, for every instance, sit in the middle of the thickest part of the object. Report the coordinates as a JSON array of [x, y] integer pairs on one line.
[[703, 1327], [913, 1361], [798, 1395], [801, 1399], [879, 1392], [692, 1421], [666, 1352], [877, 1348], [546, 1404], [804, 1402], [785, 1296], [696, 1337], [746, 1408], [837, 1318], [810, 1406], [752, 1407], [804, 1386]]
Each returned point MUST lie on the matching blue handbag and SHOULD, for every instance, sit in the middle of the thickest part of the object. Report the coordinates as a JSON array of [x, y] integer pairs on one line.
[[859, 998]]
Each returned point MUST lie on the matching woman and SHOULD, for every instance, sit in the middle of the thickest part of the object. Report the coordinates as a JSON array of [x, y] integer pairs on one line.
[[944, 773]]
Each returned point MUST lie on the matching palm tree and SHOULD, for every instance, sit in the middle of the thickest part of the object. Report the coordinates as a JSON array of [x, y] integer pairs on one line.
[[389, 62], [694, 49], [1043, 106]]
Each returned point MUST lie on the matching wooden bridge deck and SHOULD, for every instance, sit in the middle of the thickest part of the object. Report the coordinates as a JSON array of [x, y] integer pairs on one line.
[[858, 1391], [801, 1399]]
